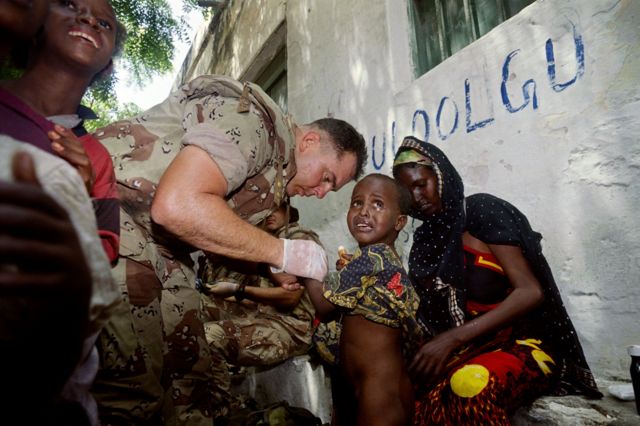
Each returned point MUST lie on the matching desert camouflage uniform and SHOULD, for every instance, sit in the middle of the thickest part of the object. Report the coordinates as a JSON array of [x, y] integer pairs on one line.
[[247, 333], [156, 364]]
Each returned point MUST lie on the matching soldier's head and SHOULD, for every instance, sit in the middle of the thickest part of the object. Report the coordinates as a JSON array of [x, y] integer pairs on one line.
[[278, 218], [19, 21], [328, 154]]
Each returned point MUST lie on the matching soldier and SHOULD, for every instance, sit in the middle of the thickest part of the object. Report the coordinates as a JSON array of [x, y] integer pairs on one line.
[[199, 171], [264, 324]]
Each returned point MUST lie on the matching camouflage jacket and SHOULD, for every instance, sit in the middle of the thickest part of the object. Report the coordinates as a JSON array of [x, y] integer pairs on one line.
[[239, 126]]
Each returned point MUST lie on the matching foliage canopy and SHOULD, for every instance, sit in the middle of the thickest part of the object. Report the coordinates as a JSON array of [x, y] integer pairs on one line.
[[152, 30]]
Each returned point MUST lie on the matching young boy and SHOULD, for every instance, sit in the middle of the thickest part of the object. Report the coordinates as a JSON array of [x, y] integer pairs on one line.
[[75, 47], [379, 306]]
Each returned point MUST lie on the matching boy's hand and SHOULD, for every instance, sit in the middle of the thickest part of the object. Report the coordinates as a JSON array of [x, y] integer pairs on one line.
[[39, 246], [68, 146], [45, 283], [286, 281], [343, 258]]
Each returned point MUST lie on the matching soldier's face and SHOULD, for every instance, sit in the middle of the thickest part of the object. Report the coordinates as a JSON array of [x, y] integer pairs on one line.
[[276, 220], [319, 170]]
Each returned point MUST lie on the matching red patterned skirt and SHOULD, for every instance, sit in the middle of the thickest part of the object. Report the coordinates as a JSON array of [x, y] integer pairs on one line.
[[487, 388]]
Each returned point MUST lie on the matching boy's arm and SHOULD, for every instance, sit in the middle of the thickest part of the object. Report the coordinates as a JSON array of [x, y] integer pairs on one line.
[[325, 310], [277, 297]]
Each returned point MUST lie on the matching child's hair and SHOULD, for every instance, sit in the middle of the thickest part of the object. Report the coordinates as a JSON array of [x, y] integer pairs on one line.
[[403, 194]]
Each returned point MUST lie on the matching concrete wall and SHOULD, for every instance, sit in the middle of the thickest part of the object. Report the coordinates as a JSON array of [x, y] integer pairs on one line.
[[542, 111]]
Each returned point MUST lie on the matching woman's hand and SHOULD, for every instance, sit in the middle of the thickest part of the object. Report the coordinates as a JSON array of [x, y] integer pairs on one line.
[[432, 358], [68, 146]]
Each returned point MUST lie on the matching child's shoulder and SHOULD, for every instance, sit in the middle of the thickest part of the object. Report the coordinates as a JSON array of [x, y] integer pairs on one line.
[[378, 248], [376, 258]]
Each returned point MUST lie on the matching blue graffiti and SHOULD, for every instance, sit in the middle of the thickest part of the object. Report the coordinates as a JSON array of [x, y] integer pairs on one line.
[[467, 105], [551, 62], [439, 114], [529, 97], [384, 147], [425, 118], [393, 137], [373, 152], [525, 88]]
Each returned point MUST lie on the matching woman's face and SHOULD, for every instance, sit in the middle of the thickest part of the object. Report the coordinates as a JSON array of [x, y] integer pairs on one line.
[[422, 183]]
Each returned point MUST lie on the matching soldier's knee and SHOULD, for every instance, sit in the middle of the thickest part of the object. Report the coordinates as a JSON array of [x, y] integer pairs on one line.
[[214, 333]]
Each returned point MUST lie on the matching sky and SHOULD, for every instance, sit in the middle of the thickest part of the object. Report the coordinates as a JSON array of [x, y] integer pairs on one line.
[[157, 89]]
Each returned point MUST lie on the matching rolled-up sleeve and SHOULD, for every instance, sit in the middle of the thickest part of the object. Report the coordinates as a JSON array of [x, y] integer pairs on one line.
[[237, 142]]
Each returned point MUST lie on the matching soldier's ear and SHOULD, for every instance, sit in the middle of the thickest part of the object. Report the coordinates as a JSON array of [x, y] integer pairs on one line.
[[309, 138]]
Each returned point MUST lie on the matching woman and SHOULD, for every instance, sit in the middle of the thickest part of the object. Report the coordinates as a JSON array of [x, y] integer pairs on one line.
[[503, 335]]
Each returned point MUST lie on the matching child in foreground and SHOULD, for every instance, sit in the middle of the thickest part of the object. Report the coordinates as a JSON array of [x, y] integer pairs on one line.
[[379, 306]]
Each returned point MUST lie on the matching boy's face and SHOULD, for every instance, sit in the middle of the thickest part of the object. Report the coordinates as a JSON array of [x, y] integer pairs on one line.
[[81, 31], [374, 215], [276, 220]]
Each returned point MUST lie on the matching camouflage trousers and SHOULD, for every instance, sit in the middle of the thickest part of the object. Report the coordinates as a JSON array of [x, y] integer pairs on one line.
[[242, 334], [155, 364]]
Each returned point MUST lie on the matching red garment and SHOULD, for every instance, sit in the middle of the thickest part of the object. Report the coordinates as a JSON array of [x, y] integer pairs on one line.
[[502, 372], [513, 378], [22, 123], [104, 196]]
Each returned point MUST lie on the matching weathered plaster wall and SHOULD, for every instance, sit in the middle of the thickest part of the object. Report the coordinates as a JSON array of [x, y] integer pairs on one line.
[[568, 156], [234, 38]]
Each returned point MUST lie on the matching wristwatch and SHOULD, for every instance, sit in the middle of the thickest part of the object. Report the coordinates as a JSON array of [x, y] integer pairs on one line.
[[239, 294]]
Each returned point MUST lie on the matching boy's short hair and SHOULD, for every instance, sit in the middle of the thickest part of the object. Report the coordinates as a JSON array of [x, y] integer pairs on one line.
[[403, 195], [345, 139]]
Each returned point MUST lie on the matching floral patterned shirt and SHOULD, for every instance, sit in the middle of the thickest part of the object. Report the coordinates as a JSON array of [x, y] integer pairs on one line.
[[375, 285]]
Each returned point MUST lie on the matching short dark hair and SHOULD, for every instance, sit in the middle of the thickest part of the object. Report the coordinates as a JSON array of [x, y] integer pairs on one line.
[[345, 139], [403, 195], [294, 216]]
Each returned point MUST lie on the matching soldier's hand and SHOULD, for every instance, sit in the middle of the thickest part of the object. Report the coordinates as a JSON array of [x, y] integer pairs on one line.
[[304, 258], [223, 288]]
